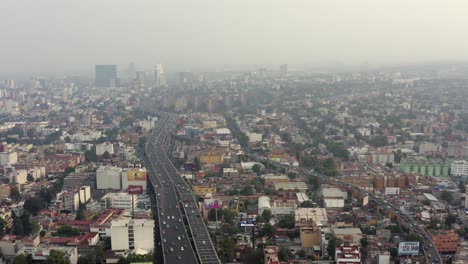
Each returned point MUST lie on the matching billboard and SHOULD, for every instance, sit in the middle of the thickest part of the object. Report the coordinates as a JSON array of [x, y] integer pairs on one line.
[[408, 248], [136, 175], [135, 189], [249, 221], [213, 204]]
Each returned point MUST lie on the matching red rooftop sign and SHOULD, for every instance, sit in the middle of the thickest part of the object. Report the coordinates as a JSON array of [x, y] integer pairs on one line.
[[135, 189]]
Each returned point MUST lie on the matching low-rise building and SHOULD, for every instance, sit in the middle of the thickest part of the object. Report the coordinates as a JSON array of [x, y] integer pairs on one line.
[[291, 186], [129, 234], [104, 147], [333, 197], [42, 251], [108, 177], [350, 235], [445, 241], [310, 216], [347, 254]]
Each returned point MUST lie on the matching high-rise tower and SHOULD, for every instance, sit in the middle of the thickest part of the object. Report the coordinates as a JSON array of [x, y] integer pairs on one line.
[[160, 76]]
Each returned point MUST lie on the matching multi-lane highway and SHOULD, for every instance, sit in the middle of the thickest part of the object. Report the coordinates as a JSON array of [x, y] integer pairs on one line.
[[182, 236]]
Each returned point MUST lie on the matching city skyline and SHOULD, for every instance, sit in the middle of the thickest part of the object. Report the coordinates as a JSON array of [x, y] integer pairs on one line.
[[193, 36]]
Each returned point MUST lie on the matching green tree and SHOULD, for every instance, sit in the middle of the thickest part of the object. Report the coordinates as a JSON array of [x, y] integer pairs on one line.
[[267, 230], [68, 170], [254, 256], [67, 231], [332, 244], [56, 257], [260, 219], [90, 155], [133, 258], [80, 214], [364, 243], [34, 205], [446, 196], [15, 194], [2, 226], [35, 227], [287, 221], [379, 141], [291, 175], [18, 228], [267, 215], [307, 204], [246, 190], [228, 214], [20, 259], [257, 168], [227, 247], [106, 155], [451, 219], [301, 253], [284, 254], [462, 187], [29, 259], [347, 207], [30, 178]]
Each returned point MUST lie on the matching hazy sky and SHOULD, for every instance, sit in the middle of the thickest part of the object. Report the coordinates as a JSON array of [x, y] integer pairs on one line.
[[56, 35]]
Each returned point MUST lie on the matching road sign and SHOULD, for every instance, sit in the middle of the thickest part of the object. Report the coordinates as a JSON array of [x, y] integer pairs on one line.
[[408, 248]]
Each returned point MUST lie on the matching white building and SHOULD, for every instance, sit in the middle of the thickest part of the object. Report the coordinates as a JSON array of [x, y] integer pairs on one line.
[[119, 201], [428, 147], [263, 204], [12, 107], [103, 147], [134, 177], [8, 158], [382, 157], [255, 137], [459, 168], [84, 194], [108, 177], [132, 234], [18, 176], [69, 200], [333, 197], [351, 235], [37, 172]]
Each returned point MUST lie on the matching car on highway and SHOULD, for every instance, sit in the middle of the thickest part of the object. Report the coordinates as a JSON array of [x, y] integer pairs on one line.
[[178, 237], [182, 248], [171, 249]]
